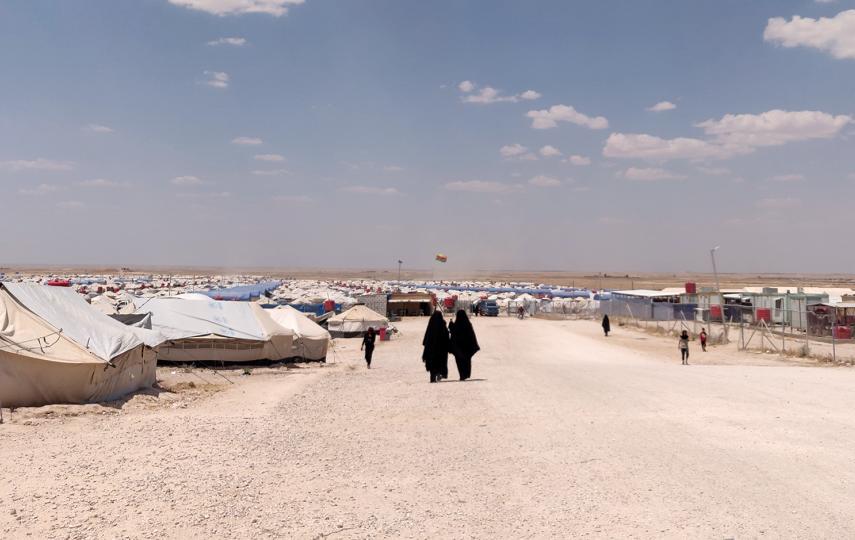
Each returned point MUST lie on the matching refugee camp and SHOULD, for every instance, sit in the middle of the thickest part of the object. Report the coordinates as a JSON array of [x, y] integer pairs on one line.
[[387, 269]]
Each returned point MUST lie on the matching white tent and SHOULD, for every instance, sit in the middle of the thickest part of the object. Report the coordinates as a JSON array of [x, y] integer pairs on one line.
[[211, 330], [55, 348], [310, 339], [355, 321]]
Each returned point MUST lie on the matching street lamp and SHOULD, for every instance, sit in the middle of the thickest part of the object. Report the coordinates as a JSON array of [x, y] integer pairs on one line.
[[718, 289]]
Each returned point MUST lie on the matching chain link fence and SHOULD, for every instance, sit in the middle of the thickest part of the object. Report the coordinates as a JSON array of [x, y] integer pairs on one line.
[[819, 331]]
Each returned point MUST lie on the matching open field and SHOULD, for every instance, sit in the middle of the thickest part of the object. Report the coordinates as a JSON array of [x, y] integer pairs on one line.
[[562, 433]]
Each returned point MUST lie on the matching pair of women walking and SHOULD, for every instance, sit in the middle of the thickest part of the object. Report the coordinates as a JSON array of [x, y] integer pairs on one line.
[[458, 339]]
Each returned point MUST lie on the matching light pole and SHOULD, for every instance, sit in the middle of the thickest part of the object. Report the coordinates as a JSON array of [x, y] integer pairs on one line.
[[400, 262], [718, 289]]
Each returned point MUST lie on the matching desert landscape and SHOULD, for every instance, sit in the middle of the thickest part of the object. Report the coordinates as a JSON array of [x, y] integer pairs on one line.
[[561, 432]]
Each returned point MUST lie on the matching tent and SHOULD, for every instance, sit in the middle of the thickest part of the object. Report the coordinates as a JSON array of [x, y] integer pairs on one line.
[[56, 348], [356, 321], [201, 331], [310, 339]]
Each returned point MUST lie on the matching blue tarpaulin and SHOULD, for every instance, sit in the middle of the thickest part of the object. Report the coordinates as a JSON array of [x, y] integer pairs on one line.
[[554, 293]]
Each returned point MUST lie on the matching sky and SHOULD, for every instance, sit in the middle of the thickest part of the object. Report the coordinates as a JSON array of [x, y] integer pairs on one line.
[[614, 136]]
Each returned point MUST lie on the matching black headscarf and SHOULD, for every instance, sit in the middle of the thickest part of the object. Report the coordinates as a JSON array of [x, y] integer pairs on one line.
[[436, 338], [463, 340]]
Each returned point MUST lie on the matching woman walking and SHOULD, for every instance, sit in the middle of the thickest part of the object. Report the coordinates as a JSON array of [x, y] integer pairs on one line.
[[464, 344], [683, 345], [607, 326], [436, 345], [368, 344]]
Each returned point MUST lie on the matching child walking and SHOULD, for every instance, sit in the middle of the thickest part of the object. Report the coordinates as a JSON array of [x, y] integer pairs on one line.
[[683, 345], [703, 339]]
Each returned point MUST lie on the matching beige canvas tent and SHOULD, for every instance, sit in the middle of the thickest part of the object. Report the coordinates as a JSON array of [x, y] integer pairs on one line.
[[311, 341], [215, 331], [355, 321], [56, 348]]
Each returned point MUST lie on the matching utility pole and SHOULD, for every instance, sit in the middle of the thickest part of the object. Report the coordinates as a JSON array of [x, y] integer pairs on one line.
[[718, 289]]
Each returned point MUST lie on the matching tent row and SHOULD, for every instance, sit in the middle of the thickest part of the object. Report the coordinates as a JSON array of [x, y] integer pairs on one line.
[[199, 329], [57, 348]]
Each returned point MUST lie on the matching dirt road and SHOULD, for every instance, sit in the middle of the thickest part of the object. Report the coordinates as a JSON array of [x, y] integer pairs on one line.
[[562, 433]]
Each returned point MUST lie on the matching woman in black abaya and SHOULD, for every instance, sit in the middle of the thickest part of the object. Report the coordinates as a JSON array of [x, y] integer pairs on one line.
[[436, 343], [464, 344]]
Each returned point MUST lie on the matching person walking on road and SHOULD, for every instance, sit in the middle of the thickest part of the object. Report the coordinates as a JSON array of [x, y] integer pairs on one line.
[[436, 345], [464, 344], [607, 326], [683, 345], [703, 339], [368, 344]]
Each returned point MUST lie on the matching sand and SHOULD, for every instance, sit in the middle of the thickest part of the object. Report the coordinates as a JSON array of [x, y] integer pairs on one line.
[[562, 433]]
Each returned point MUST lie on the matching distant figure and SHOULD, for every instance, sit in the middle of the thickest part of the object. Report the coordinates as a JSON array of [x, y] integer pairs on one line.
[[436, 345], [368, 345], [607, 326], [464, 344], [521, 312], [703, 338], [683, 345]]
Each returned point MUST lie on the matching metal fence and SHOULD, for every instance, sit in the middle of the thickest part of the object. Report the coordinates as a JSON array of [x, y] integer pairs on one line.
[[814, 332]]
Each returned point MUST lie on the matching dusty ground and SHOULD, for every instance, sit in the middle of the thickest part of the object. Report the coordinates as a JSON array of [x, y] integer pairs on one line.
[[563, 433]]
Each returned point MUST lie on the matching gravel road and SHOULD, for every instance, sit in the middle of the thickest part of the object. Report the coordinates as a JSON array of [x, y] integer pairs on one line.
[[561, 433]]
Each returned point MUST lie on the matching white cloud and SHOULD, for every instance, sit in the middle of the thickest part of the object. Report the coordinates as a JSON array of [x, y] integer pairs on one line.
[[271, 172], [38, 164], [247, 141], [774, 128], [393, 168], [643, 146], [549, 151], [70, 204], [512, 150], [481, 186], [731, 135], [233, 41], [651, 174], [544, 181], [217, 79], [662, 106], [99, 128], [488, 95], [277, 8], [788, 178], [579, 160], [835, 35], [371, 190], [102, 183], [269, 157], [779, 203], [187, 181], [41, 189], [549, 118], [530, 95]]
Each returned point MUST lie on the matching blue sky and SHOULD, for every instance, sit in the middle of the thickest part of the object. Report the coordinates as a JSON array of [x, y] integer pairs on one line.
[[582, 136]]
